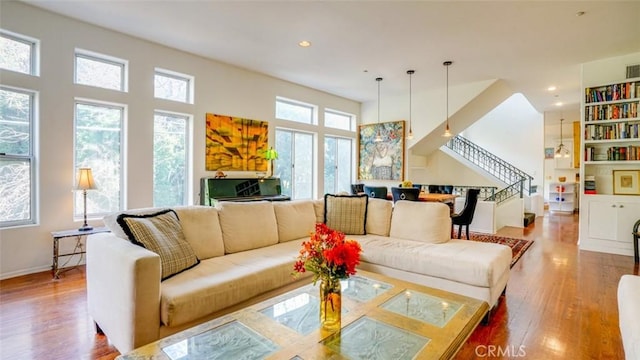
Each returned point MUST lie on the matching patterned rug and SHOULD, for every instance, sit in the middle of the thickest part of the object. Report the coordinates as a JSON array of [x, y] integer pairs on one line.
[[518, 246]]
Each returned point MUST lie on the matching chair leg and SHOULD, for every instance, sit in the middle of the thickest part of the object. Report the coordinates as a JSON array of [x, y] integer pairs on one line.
[[459, 231], [468, 238]]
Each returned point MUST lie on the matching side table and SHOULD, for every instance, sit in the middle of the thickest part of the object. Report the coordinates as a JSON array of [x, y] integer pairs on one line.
[[77, 250]]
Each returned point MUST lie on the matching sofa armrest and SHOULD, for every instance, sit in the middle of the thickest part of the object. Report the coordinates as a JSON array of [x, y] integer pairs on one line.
[[629, 315], [123, 290]]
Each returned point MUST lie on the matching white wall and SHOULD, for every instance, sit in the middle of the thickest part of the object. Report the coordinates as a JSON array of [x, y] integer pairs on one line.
[[514, 131], [219, 88]]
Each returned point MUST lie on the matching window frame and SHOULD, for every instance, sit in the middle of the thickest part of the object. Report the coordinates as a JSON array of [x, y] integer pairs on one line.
[[313, 120], [34, 54], [188, 157], [352, 119], [351, 159], [31, 158], [110, 60], [314, 152], [189, 79], [123, 155]]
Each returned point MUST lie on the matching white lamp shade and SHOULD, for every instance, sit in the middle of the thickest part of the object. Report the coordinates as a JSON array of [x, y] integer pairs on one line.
[[85, 179]]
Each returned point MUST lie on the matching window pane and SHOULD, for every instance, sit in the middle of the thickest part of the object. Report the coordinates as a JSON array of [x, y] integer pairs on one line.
[[303, 166], [15, 191], [98, 146], [98, 72], [283, 165], [295, 112], [15, 117], [337, 120], [169, 159], [171, 87], [330, 165], [16, 54], [344, 166]]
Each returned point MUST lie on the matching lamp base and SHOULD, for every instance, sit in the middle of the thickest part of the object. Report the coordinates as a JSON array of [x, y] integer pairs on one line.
[[85, 228]]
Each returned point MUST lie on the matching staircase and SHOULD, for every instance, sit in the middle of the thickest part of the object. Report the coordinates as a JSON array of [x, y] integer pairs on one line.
[[518, 182]]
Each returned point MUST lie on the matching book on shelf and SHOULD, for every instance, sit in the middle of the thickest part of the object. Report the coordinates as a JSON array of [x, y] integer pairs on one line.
[[614, 153], [613, 92]]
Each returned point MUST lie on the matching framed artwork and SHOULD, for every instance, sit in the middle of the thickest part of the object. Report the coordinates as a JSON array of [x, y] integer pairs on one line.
[[235, 144], [626, 182], [382, 160], [548, 153]]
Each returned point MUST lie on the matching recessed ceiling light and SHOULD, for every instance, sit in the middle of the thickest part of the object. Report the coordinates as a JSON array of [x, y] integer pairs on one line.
[[304, 43], [580, 13], [559, 103], [551, 88]]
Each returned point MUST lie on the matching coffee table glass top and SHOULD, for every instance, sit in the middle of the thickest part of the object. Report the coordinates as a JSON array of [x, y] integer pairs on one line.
[[230, 341], [382, 318], [423, 307], [300, 312], [370, 339]]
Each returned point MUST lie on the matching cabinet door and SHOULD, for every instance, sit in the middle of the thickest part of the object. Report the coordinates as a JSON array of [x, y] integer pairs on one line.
[[603, 222], [628, 214]]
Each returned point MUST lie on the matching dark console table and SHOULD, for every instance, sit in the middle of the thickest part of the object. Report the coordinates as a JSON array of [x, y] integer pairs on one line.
[[245, 189]]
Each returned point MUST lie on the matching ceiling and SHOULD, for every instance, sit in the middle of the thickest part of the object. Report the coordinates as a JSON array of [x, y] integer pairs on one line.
[[529, 44]]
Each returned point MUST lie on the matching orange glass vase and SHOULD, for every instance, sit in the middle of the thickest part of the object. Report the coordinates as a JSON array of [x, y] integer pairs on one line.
[[330, 304]]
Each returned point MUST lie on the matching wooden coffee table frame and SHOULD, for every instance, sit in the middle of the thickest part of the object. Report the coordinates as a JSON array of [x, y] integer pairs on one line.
[[444, 341]]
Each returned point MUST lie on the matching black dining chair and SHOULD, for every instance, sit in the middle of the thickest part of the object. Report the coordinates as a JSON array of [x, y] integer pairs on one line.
[[465, 217], [434, 189], [357, 189], [405, 193], [379, 192]]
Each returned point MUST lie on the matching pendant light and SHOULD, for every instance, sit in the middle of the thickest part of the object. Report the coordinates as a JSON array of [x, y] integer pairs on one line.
[[378, 135], [562, 150], [410, 135], [447, 131]]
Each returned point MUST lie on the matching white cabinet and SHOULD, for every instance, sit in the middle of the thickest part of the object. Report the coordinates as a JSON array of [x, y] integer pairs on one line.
[[606, 223], [563, 197]]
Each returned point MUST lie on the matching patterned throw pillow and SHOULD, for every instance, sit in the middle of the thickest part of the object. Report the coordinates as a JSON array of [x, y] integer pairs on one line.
[[161, 233], [346, 213]]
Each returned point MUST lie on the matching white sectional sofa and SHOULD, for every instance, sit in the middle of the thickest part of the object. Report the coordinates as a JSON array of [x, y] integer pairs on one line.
[[629, 315], [246, 249]]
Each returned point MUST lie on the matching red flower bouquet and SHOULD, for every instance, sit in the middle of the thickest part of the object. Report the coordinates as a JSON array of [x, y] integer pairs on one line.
[[328, 255]]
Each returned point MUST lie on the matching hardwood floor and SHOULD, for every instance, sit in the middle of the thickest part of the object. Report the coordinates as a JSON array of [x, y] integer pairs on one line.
[[560, 304]]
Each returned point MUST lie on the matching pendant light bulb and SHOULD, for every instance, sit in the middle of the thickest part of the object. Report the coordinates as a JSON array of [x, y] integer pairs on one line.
[[562, 150], [378, 134], [410, 134], [447, 130]]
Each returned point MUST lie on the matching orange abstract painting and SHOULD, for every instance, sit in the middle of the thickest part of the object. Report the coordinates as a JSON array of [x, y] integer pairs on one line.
[[235, 144]]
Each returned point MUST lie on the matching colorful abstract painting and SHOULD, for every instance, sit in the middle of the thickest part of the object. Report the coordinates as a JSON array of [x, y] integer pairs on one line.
[[235, 144], [382, 160]]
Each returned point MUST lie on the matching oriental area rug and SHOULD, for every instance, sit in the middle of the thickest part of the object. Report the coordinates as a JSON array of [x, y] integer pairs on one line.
[[518, 246]]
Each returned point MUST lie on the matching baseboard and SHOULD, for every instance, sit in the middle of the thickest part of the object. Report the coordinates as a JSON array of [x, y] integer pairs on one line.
[[12, 274]]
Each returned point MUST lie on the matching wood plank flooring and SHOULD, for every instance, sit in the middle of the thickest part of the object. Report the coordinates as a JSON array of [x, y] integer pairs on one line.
[[561, 304]]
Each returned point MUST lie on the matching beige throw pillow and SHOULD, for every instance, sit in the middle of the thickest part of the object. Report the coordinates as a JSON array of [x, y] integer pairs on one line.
[[346, 213], [296, 219], [428, 222], [161, 233]]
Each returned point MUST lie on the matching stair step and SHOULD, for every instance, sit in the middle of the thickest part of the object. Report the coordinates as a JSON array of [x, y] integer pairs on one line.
[[529, 218]]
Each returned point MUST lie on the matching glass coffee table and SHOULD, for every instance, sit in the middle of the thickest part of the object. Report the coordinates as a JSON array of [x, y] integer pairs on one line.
[[382, 318]]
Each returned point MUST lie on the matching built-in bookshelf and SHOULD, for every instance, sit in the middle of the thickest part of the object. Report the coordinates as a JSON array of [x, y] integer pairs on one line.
[[612, 123]]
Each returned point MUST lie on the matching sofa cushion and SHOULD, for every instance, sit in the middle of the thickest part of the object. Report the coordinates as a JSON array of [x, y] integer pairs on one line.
[[247, 225], [201, 228], [379, 216], [161, 233], [220, 282], [318, 206], [111, 220], [296, 219], [421, 221], [467, 262], [346, 213]]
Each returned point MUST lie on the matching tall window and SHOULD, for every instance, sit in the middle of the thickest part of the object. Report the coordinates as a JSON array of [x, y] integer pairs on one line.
[[338, 164], [171, 85], [339, 120], [17, 168], [99, 146], [294, 166], [170, 149], [18, 53], [100, 70], [295, 111]]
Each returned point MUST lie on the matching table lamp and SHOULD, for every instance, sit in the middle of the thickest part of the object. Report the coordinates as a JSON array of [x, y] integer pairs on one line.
[[271, 155], [85, 182]]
